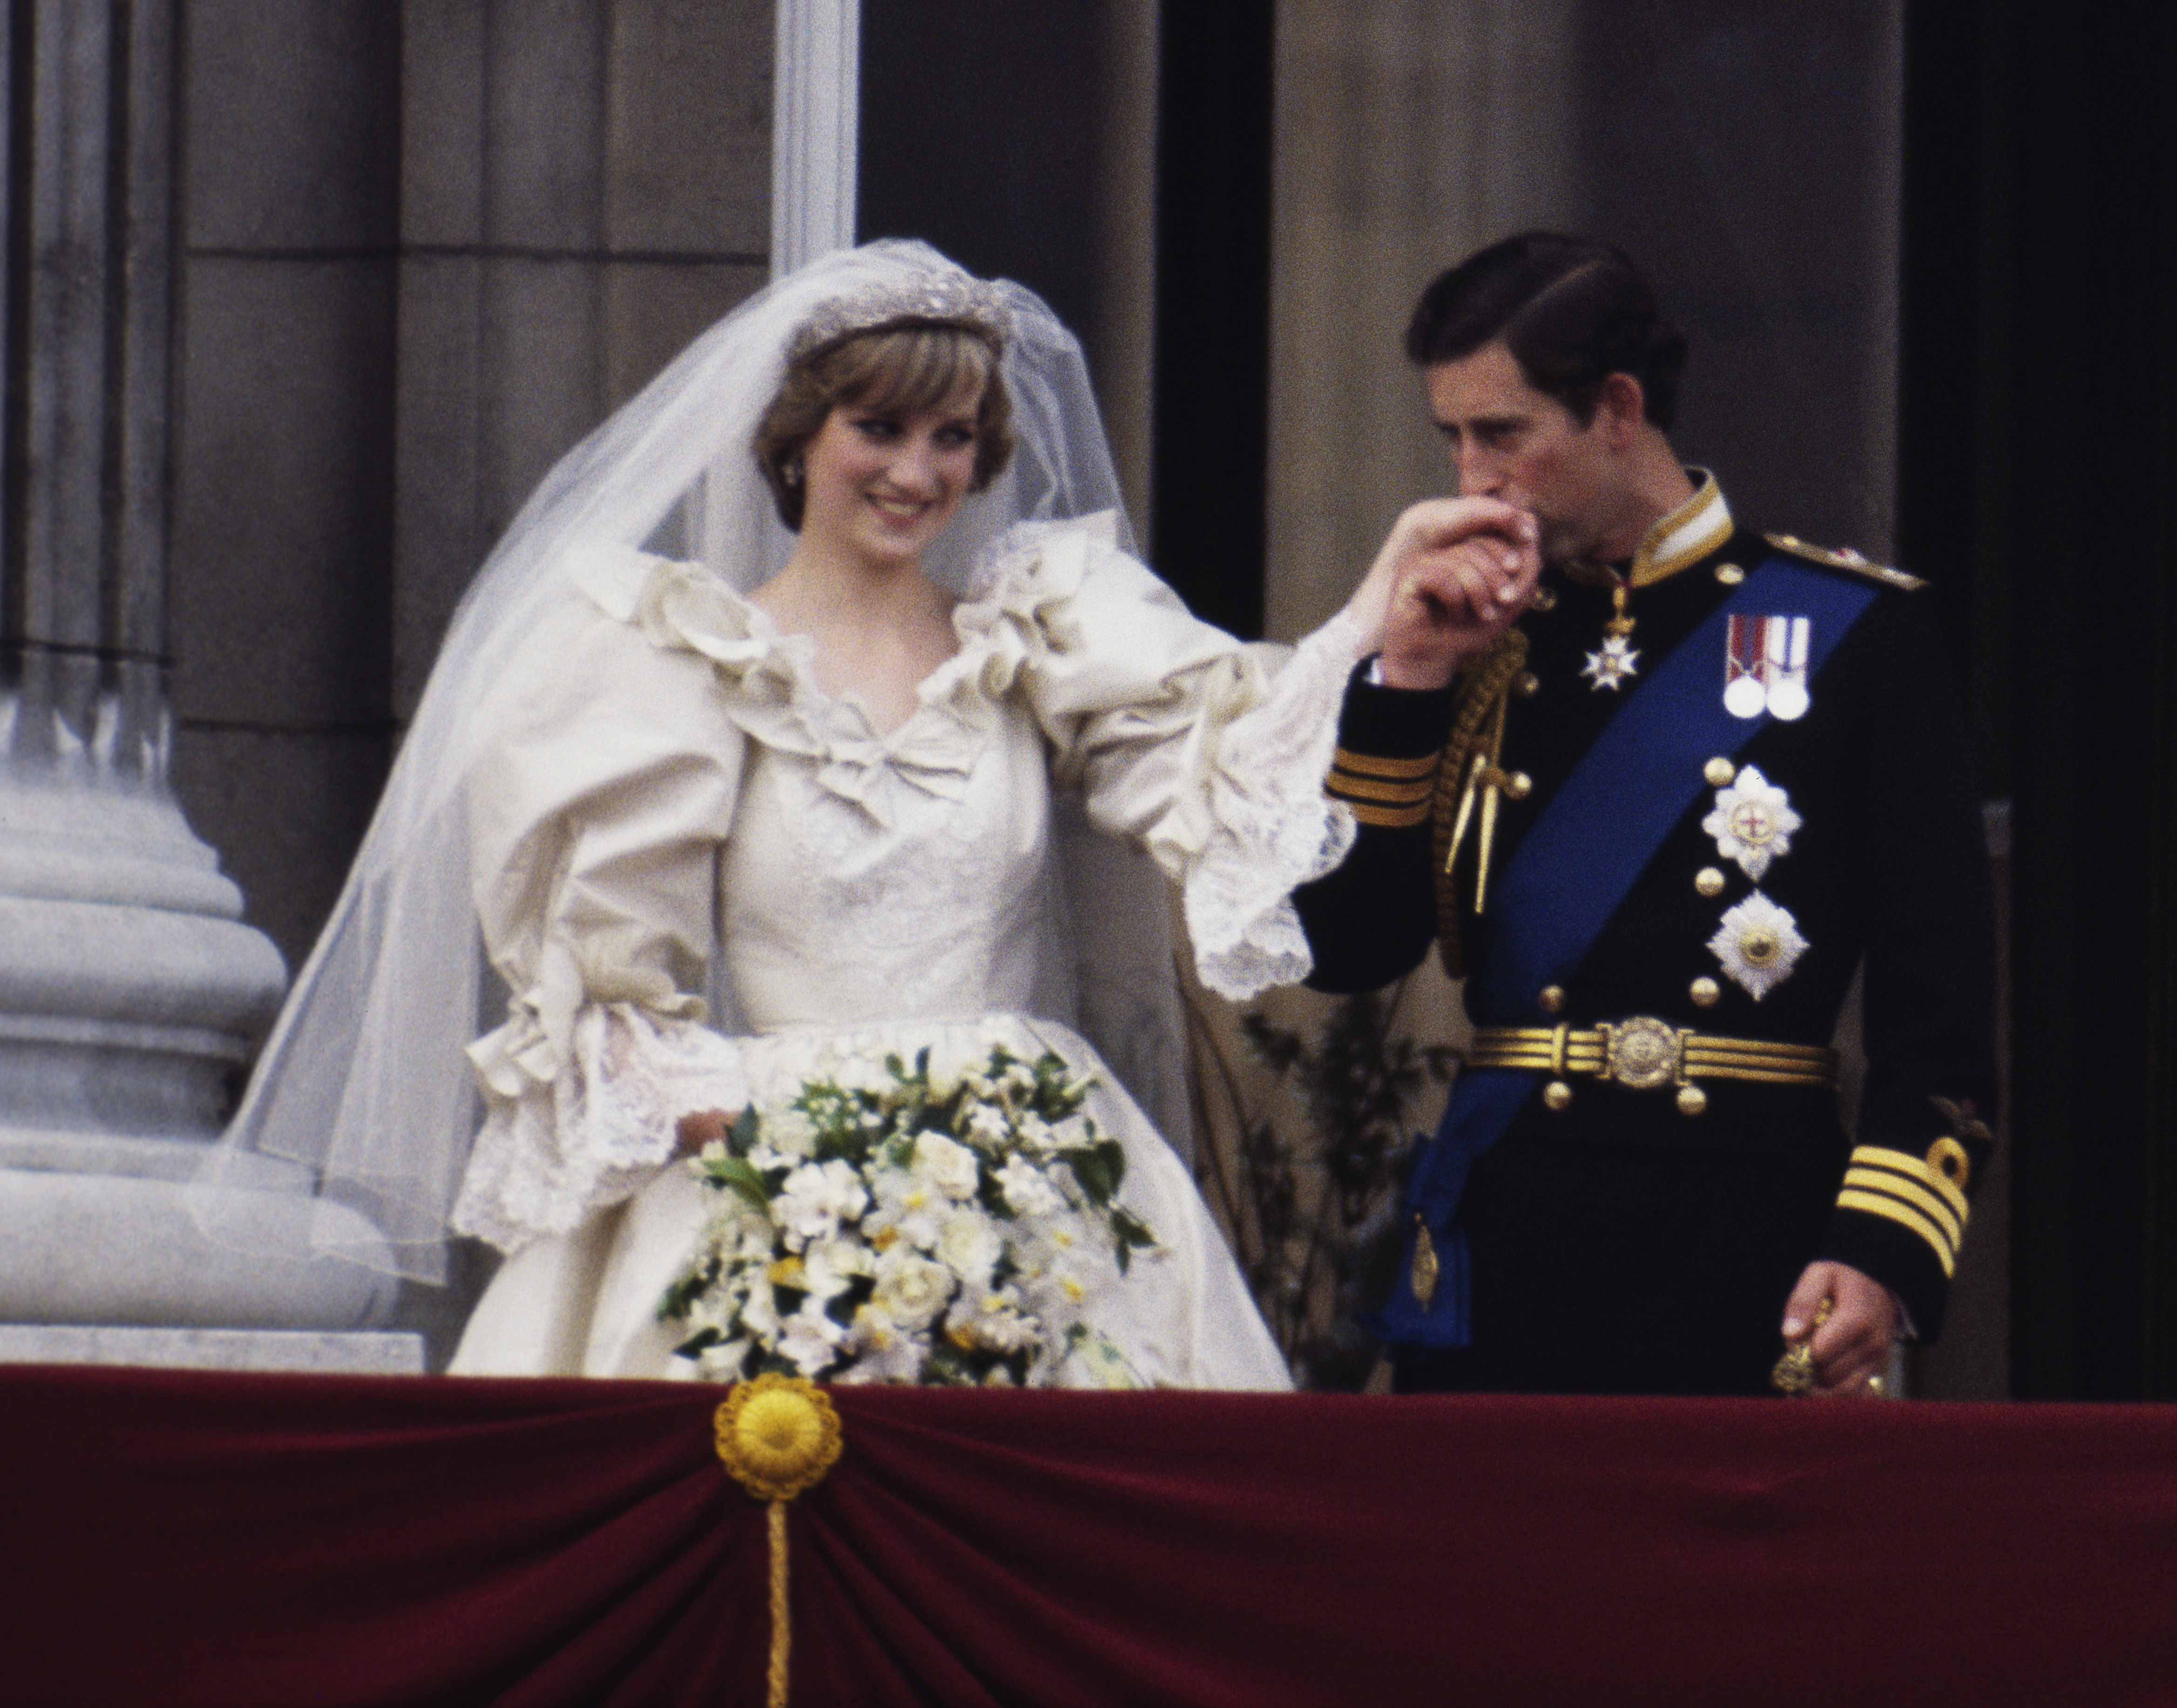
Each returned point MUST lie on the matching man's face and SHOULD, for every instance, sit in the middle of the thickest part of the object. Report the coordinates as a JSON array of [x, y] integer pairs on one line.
[[1509, 441]]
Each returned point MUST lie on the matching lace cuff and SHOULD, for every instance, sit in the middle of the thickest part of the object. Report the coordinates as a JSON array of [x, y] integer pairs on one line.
[[1276, 828], [563, 1137]]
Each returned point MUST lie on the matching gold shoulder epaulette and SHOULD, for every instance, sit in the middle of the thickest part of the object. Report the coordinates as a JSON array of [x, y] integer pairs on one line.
[[1846, 560]]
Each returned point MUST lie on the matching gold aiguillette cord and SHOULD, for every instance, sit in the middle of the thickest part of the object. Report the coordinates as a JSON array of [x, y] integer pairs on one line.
[[1486, 780]]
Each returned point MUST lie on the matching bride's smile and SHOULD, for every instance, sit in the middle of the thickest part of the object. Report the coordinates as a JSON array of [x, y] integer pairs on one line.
[[883, 484]]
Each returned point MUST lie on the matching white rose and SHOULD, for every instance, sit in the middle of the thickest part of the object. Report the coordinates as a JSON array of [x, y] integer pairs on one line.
[[1026, 1189], [1019, 1082], [811, 1339], [911, 1290], [951, 1168], [989, 1128], [830, 1265], [997, 1324], [788, 1131], [816, 1199], [970, 1247], [883, 1351]]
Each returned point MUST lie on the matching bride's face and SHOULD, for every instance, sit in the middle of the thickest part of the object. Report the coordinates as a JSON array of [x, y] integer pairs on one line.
[[882, 484]]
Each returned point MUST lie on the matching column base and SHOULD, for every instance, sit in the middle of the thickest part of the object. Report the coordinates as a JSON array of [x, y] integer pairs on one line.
[[109, 1251], [355, 1354]]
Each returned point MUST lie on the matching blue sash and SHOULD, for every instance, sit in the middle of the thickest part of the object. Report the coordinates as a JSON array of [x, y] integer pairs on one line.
[[1570, 873]]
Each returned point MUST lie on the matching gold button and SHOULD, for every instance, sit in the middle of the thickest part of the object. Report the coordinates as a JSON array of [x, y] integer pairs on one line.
[[1518, 785], [1552, 999], [1544, 599], [1719, 772], [1705, 991], [1556, 1094], [1709, 881], [1692, 1099], [1949, 1158], [1730, 575], [1527, 686]]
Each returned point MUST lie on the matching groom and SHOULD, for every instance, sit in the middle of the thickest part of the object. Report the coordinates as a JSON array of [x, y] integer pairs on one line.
[[1657, 806]]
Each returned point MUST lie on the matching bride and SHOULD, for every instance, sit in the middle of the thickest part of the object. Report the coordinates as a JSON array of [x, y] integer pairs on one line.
[[741, 757]]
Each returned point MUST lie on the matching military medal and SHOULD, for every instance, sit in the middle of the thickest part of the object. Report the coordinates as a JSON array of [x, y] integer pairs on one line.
[[1613, 664], [1789, 638], [1744, 695], [1616, 662], [1757, 943], [1752, 821], [1765, 666]]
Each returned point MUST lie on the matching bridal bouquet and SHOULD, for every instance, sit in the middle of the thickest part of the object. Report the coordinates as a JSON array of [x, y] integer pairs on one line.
[[903, 1225]]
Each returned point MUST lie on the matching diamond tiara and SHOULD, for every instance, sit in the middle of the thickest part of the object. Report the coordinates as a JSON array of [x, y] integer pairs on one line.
[[953, 299]]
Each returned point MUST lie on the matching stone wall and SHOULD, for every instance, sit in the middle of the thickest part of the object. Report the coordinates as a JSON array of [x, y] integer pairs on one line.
[[1748, 158], [424, 248]]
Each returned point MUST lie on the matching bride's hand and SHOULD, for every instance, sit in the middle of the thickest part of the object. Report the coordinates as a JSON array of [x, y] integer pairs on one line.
[[1452, 575], [703, 1127]]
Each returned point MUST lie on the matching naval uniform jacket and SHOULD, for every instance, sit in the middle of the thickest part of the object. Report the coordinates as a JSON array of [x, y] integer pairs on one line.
[[1619, 1242]]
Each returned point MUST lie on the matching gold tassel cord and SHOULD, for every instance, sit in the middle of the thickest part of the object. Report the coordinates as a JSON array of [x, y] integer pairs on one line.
[[1490, 779], [782, 1612], [1484, 780], [1794, 1373], [778, 1436], [1465, 807], [1460, 772]]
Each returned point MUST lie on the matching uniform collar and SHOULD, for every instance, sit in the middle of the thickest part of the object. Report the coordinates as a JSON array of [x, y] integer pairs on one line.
[[1683, 538]]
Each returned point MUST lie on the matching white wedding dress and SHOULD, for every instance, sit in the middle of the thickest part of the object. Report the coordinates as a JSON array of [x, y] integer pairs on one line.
[[674, 805]]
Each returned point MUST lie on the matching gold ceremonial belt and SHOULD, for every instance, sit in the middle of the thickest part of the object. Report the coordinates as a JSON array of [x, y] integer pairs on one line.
[[1645, 1054]]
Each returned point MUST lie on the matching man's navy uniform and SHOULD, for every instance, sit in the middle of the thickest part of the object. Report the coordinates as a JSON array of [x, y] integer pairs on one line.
[[1646, 1150]]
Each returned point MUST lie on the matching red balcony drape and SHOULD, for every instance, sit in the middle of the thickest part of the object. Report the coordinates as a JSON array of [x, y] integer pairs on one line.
[[189, 1538]]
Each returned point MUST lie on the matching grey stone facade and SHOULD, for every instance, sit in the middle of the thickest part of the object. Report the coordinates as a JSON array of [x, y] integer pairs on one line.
[[425, 248]]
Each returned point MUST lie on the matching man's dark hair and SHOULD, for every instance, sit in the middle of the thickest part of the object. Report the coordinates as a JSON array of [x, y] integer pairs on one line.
[[1572, 311]]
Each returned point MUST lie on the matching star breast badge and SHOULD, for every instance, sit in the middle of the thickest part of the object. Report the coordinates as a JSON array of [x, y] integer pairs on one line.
[[1611, 666], [1752, 821], [1758, 944]]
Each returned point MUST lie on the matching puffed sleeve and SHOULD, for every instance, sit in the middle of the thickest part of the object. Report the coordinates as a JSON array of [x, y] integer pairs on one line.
[[1208, 753], [595, 816]]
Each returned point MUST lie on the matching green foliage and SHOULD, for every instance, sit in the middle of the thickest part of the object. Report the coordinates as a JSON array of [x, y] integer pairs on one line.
[[1324, 1202]]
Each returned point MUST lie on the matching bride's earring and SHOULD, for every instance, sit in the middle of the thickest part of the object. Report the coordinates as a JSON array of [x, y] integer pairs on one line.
[[790, 471]]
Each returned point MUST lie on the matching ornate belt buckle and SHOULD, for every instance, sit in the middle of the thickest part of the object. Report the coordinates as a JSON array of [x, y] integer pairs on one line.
[[1642, 1053]]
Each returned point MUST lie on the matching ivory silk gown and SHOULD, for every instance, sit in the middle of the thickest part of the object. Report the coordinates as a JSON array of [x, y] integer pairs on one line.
[[676, 806]]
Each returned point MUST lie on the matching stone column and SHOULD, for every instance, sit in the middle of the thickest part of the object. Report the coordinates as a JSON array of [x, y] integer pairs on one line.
[[131, 995], [816, 106], [1409, 133]]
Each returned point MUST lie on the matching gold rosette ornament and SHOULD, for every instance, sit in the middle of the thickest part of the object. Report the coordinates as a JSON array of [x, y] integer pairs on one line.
[[778, 1436]]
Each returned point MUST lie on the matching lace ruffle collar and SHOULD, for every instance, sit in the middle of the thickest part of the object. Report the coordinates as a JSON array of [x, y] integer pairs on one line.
[[1015, 613]]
